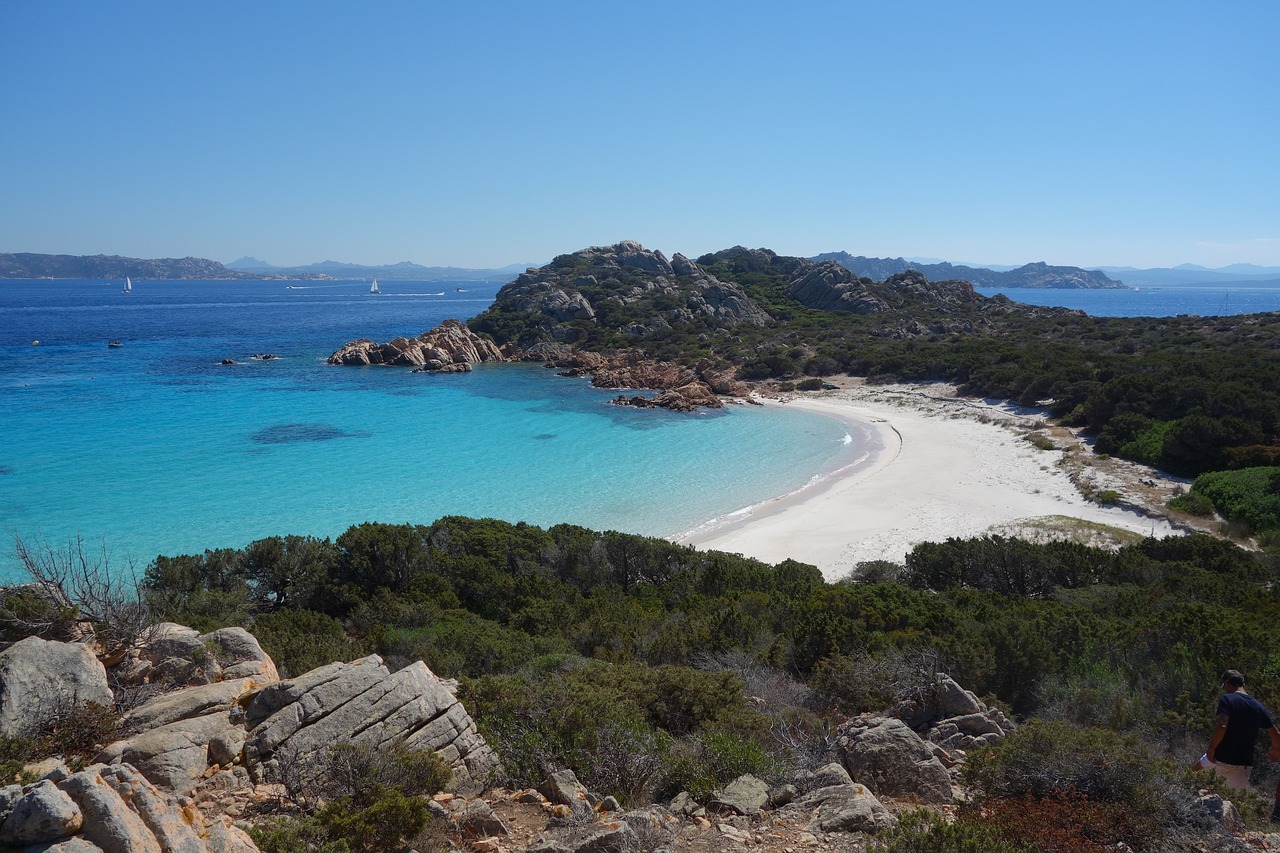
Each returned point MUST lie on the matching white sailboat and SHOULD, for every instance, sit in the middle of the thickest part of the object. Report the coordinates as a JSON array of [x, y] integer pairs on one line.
[[128, 285], [373, 288]]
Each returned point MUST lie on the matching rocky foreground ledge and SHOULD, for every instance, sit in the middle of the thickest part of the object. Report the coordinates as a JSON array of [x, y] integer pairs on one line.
[[210, 743], [208, 750]]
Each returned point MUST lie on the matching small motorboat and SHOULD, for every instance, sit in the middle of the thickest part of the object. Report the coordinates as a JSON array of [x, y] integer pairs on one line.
[[114, 344]]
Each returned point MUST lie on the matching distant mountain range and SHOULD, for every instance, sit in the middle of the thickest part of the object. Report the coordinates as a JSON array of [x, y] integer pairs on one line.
[[1040, 275], [1187, 274], [1036, 275], [404, 270], [31, 265]]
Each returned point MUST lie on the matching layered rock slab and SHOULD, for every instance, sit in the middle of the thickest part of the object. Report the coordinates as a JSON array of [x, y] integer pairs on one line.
[[364, 704]]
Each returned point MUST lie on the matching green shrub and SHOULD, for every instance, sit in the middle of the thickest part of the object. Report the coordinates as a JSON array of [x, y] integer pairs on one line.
[[355, 797], [1193, 503], [1045, 758], [288, 834], [812, 384], [1041, 441], [923, 831], [1249, 495], [378, 821], [301, 640], [1107, 497]]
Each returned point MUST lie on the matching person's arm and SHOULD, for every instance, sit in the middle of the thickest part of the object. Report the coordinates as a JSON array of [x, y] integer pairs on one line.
[[1273, 754], [1219, 732]]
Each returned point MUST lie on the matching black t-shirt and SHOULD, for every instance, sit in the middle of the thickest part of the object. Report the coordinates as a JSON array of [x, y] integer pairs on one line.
[[1247, 717]]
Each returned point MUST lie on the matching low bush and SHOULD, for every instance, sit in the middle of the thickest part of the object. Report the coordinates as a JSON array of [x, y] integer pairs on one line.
[[301, 640], [354, 798], [923, 831], [80, 732], [1068, 823], [1193, 503], [1048, 758]]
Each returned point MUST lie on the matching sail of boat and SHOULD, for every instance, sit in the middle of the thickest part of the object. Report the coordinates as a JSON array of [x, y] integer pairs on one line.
[[374, 287], [128, 285]]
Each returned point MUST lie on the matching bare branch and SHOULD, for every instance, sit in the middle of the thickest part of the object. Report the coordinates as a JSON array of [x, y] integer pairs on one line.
[[75, 591]]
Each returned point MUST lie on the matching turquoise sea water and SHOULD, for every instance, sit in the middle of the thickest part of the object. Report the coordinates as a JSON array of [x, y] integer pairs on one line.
[[156, 448]]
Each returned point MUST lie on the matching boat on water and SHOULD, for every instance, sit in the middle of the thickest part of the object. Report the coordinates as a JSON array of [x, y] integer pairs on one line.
[[114, 344], [373, 288], [128, 285]]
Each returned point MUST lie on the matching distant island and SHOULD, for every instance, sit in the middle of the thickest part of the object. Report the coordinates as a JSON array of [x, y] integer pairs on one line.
[[32, 265], [1036, 275], [403, 271]]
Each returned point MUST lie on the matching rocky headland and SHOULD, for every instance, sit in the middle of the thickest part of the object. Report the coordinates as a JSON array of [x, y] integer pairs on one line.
[[629, 318]]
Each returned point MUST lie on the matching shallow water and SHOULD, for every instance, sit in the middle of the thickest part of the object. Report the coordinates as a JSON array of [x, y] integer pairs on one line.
[[157, 448]]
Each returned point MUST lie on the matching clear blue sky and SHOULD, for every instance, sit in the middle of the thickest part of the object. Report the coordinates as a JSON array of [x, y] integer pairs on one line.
[[487, 133]]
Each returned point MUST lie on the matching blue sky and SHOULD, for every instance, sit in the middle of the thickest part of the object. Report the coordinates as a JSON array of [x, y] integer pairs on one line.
[[487, 133]]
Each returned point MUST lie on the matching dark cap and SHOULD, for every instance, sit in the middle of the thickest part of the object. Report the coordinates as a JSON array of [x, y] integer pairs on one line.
[[1233, 677]]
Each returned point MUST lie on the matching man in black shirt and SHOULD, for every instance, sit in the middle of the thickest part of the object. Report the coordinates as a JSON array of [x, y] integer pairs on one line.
[[1240, 718]]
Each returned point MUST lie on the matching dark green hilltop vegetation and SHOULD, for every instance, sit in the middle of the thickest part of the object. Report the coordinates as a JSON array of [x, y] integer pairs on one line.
[[649, 667], [1184, 394]]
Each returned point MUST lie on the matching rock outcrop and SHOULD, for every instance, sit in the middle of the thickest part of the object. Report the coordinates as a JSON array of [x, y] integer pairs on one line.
[[232, 712], [952, 717], [180, 735], [42, 680], [889, 758], [112, 809], [442, 349], [363, 703], [178, 656], [660, 294]]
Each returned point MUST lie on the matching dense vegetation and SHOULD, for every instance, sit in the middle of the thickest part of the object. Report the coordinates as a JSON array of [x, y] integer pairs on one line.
[[1249, 496], [630, 659], [1185, 394]]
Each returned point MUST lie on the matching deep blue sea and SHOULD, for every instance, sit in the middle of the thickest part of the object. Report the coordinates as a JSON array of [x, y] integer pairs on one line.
[[155, 447], [1169, 301]]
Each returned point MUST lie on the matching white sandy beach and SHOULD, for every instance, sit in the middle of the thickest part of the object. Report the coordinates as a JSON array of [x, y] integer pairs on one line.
[[950, 468]]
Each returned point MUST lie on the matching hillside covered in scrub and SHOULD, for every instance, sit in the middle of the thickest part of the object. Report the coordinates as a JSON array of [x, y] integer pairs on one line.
[[659, 673]]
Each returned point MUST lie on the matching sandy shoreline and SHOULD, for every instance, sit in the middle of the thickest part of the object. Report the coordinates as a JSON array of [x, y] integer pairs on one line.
[[949, 467]]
